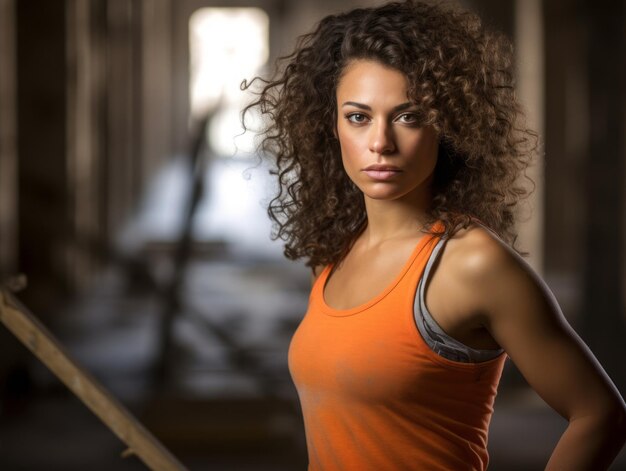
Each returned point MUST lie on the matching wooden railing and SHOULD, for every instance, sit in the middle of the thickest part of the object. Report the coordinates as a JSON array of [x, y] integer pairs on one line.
[[36, 337]]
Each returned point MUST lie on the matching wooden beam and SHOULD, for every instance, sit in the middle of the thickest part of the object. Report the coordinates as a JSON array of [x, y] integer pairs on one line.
[[36, 337]]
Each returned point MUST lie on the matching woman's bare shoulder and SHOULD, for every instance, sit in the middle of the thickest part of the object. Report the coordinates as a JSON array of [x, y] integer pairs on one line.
[[490, 275], [476, 249], [477, 262], [460, 282]]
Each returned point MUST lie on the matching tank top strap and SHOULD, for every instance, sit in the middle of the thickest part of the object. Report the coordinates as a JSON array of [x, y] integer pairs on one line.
[[318, 286], [414, 273]]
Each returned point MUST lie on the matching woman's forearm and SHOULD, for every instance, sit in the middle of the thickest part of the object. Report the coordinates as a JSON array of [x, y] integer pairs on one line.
[[589, 444]]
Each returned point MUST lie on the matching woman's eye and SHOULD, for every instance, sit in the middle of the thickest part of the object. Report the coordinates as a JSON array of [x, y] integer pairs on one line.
[[408, 118], [357, 118]]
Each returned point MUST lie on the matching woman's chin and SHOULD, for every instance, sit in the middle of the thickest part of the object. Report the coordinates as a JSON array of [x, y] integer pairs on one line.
[[384, 195]]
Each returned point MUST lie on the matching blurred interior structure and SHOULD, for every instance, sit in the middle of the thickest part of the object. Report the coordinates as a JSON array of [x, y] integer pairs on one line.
[[135, 207]]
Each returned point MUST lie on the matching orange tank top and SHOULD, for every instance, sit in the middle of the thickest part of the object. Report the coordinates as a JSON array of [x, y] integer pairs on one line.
[[375, 396]]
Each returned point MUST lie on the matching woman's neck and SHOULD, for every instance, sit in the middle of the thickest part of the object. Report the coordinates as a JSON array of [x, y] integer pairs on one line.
[[396, 219]]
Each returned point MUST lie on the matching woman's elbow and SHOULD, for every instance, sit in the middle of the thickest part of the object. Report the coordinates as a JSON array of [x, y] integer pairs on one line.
[[613, 421], [620, 420], [607, 419]]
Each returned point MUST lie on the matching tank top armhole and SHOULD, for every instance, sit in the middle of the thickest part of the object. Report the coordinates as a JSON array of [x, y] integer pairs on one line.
[[433, 335]]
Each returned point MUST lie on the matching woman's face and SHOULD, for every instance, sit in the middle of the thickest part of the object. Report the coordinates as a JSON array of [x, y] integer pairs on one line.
[[385, 150]]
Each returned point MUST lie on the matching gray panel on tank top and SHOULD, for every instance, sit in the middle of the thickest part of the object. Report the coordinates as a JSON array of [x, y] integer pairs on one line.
[[440, 342]]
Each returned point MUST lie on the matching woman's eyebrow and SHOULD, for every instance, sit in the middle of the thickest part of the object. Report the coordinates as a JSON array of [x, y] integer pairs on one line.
[[362, 106]]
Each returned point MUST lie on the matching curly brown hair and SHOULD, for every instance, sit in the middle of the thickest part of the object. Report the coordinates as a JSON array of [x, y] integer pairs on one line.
[[459, 73]]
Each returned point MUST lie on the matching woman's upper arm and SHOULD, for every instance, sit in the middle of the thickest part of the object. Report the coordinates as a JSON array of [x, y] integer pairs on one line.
[[524, 317]]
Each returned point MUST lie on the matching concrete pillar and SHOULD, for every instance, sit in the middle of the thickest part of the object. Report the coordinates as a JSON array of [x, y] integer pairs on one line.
[[529, 46]]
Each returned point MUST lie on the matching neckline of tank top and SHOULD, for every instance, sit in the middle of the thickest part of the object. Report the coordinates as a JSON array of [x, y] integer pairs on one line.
[[320, 285]]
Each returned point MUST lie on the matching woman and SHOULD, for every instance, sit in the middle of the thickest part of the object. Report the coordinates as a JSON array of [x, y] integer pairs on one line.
[[399, 144]]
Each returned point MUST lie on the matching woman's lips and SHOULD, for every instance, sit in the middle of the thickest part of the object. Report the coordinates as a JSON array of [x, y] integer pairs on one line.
[[381, 172]]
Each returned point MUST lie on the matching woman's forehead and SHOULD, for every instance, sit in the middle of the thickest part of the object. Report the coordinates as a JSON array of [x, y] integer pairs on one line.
[[365, 81]]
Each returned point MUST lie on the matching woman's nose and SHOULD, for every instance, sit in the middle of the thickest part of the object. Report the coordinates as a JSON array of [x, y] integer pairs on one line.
[[381, 139]]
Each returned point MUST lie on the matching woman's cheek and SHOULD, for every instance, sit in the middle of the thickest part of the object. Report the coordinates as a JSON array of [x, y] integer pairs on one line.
[[351, 164], [350, 152]]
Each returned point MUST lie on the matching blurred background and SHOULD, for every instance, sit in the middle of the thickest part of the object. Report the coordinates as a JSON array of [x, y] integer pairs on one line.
[[134, 205]]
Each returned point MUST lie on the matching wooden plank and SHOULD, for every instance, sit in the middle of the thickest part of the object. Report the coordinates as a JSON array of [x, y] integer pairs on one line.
[[36, 337]]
